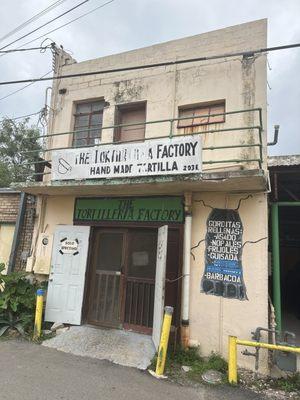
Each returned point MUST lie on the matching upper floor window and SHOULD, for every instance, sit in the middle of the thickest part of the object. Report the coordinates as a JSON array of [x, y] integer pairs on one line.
[[88, 123], [134, 113], [201, 114]]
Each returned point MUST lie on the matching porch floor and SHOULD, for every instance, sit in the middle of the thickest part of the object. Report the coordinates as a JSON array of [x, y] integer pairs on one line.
[[120, 347]]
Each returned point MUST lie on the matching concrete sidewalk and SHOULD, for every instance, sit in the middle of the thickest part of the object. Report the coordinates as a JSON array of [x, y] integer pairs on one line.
[[33, 372], [122, 347]]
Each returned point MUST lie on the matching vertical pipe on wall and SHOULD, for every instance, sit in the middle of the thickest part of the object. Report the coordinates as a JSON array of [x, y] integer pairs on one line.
[[186, 270], [276, 265]]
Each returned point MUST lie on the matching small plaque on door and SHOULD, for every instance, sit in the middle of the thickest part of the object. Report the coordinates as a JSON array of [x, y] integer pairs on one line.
[[68, 246]]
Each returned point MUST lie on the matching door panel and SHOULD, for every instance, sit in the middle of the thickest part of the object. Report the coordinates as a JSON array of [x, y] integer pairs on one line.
[[160, 278], [122, 277], [107, 263], [139, 304], [67, 276], [140, 279], [173, 284]]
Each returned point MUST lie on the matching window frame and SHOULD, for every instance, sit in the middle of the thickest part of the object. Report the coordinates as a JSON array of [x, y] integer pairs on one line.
[[128, 107], [199, 106], [89, 139]]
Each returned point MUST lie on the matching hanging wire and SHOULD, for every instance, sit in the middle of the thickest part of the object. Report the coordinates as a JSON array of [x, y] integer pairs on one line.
[[242, 199], [205, 205], [194, 247], [254, 241]]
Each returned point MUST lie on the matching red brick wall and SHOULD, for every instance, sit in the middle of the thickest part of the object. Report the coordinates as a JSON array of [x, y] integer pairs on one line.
[[26, 234], [9, 208]]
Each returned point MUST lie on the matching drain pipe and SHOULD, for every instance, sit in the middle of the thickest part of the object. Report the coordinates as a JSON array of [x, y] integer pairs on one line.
[[275, 140], [185, 331]]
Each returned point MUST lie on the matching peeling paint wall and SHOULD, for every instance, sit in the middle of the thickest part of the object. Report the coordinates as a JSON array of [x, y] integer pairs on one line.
[[240, 82], [213, 318]]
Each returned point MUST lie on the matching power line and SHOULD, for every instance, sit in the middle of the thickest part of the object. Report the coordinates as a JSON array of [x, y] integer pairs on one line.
[[22, 88], [67, 23], [245, 54], [23, 116], [27, 49], [32, 19], [46, 23]]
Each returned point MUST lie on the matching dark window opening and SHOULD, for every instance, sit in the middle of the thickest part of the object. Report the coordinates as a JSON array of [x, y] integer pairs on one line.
[[201, 115], [88, 123], [130, 114]]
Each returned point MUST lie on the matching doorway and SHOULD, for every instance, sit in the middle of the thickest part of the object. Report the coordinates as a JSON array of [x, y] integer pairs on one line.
[[121, 281], [289, 245]]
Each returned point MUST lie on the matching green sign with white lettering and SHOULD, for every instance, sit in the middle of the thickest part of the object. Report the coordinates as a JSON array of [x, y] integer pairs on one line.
[[137, 209]]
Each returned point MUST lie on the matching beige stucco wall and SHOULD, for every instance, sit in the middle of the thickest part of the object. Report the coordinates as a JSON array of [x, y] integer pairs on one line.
[[51, 211], [58, 210], [213, 318], [6, 239], [241, 83]]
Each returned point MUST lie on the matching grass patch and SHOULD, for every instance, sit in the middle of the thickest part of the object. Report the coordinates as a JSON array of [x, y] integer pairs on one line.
[[191, 358], [289, 384]]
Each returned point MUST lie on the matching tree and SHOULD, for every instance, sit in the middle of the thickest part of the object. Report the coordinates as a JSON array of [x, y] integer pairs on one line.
[[16, 139]]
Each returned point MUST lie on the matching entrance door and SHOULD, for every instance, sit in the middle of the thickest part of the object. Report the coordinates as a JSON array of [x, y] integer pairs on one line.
[[67, 275], [128, 270], [108, 261], [140, 279]]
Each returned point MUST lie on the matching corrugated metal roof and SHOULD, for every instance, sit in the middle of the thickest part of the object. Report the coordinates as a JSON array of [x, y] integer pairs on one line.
[[9, 191], [284, 161]]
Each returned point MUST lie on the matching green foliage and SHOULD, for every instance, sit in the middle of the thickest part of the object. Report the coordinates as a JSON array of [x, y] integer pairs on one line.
[[187, 357], [191, 357], [16, 137], [214, 361], [289, 384], [17, 302]]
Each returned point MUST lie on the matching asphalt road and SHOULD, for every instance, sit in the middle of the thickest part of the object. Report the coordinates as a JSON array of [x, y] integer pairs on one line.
[[32, 372]]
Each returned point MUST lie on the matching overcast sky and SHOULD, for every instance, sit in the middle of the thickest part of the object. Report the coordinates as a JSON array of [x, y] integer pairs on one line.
[[128, 24]]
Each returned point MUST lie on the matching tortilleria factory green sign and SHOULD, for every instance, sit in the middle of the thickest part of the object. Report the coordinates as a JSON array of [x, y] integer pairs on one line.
[[137, 209]]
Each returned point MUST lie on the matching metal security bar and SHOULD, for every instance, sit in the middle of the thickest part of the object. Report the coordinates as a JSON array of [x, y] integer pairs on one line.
[[233, 342], [42, 158]]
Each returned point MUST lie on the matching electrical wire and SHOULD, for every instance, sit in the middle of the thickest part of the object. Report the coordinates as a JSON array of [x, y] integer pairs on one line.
[[22, 88], [67, 23], [46, 23], [22, 116], [41, 48], [32, 19], [245, 54]]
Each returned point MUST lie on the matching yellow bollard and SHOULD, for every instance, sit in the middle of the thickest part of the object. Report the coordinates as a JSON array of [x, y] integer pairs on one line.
[[232, 359], [38, 313], [164, 339]]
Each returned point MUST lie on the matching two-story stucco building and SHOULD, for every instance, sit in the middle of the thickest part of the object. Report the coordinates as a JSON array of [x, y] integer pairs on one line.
[[180, 146]]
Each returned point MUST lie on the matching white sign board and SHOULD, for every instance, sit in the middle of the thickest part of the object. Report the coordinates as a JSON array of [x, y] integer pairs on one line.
[[160, 278], [151, 157], [68, 246]]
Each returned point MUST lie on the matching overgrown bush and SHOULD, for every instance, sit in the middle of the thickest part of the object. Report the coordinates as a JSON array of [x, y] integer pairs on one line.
[[17, 302]]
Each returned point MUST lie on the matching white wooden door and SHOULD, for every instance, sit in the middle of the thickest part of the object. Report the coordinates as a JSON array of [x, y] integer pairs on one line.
[[160, 278], [67, 274]]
